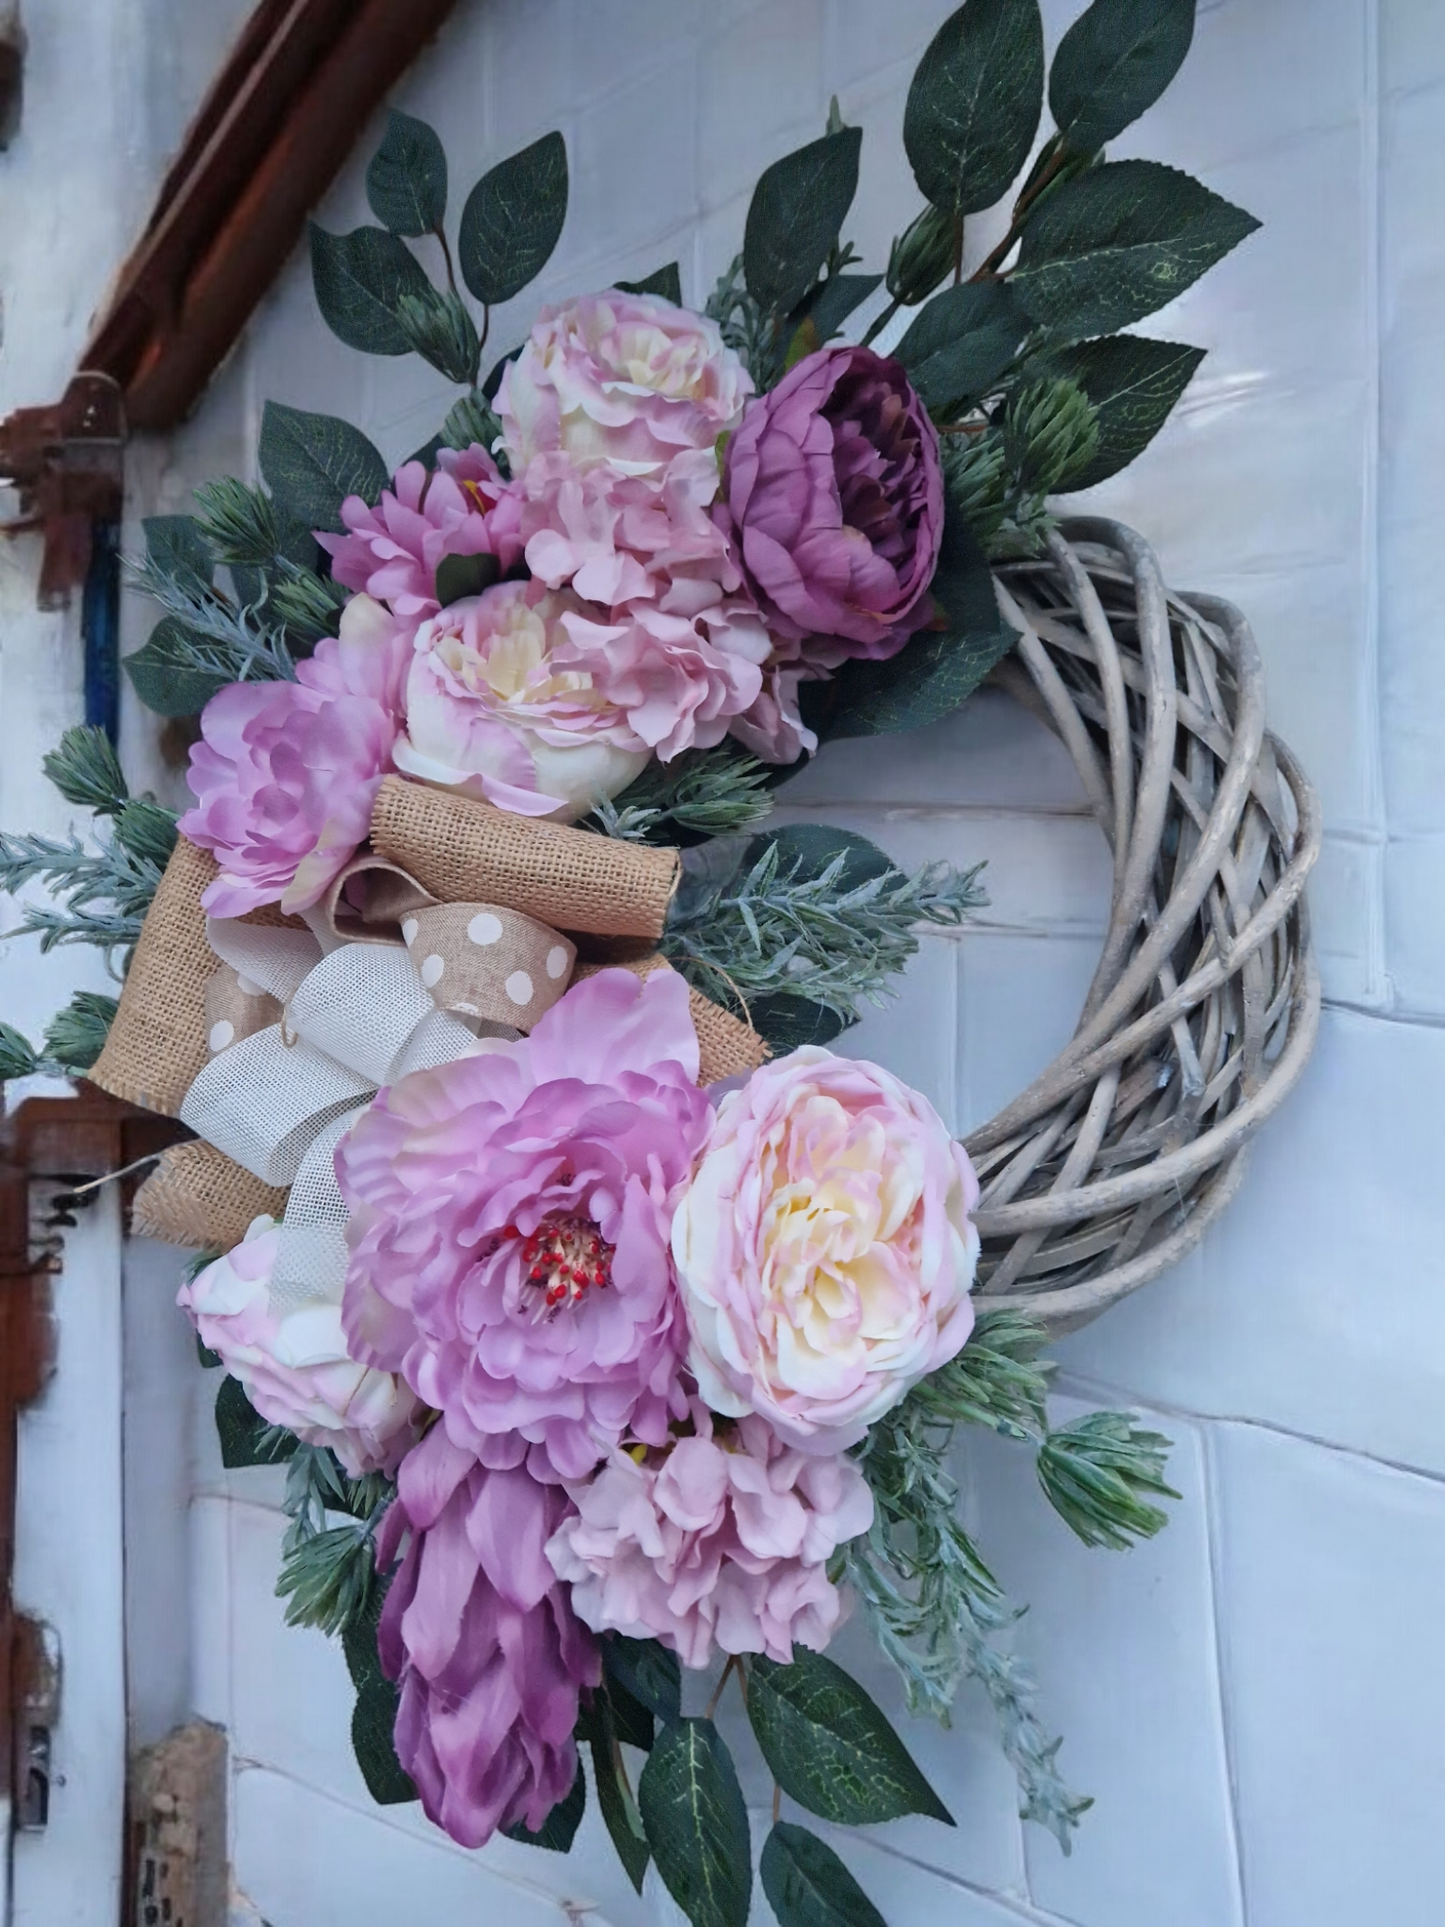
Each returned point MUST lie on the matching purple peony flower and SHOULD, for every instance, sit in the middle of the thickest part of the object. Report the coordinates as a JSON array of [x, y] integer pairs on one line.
[[286, 772], [489, 1655], [833, 498], [511, 1217], [724, 1537], [392, 551]]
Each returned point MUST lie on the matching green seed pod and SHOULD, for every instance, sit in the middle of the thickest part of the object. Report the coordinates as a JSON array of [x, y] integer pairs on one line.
[[920, 257]]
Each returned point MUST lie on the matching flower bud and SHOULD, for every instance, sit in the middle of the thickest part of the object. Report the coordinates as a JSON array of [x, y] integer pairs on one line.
[[920, 257]]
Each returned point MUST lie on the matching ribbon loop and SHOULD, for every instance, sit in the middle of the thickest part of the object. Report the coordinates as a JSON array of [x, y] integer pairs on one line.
[[489, 962]]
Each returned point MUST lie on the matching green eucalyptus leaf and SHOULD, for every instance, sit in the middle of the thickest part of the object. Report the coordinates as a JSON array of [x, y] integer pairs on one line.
[[313, 462], [1113, 63], [937, 669], [360, 279], [162, 673], [512, 221], [1133, 384], [807, 1885], [974, 105], [1118, 242], [697, 1825], [649, 1672], [406, 182], [559, 1829], [836, 298], [666, 283], [798, 206], [830, 1747], [957, 347], [459, 576], [246, 1438]]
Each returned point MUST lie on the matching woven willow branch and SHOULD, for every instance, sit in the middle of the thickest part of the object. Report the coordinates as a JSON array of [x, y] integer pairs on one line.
[[1205, 1003]]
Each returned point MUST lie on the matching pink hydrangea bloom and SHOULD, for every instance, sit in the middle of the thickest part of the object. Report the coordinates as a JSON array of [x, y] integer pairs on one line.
[[773, 728], [489, 1656], [621, 378], [391, 551], [723, 1537], [826, 1248], [672, 638], [286, 772], [833, 497], [293, 1361], [499, 706], [511, 1212]]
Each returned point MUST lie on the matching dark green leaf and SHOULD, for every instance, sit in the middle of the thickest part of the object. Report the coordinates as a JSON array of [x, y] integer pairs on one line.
[[787, 1023], [177, 545], [313, 462], [469, 421], [1133, 384], [374, 1717], [798, 206], [428, 452], [648, 1671], [162, 676], [246, 1438], [512, 221], [957, 347], [697, 1825], [829, 1746], [835, 299], [1118, 242], [807, 1885], [614, 1798], [465, 575], [975, 102], [360, 279], [937, 669], [209, 1359], [406, 182], [559, 1829], [499, 368], [631, 1719], [1113, 63], [665, 282]]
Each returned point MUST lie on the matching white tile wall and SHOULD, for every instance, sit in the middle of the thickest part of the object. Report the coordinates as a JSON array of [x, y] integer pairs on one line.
[[1256, 1698]]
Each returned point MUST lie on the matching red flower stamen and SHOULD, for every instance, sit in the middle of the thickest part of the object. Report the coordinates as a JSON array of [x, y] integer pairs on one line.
[[564, 1257]]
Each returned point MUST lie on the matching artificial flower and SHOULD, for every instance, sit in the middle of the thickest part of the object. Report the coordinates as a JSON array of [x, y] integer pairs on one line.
[[286, 773], [487, 1652], [825, 1247], [721, 1538], [833, 498], [627, 379], [510, 1222], [293, 1362], [392, 551], [497, 707]]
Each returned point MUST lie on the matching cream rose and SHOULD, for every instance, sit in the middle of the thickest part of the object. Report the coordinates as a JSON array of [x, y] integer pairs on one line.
[[825, 1248]]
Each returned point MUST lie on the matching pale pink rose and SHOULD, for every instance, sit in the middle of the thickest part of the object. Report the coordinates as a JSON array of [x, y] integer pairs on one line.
[[286, 773], [825, 1249], [293, 1361], [622, 378], [501, 706], [392, 551], [671, 636], [721, 1538]]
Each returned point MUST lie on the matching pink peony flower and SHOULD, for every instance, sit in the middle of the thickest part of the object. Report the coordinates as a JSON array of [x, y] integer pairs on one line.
[[286, 772], [293, 1361], [833, 498], [672, 638], [511, 1211], [490, 1658], [392, 551], [724, 1536], [773, 728], [621, 378], [825, 1248], [499, 706]]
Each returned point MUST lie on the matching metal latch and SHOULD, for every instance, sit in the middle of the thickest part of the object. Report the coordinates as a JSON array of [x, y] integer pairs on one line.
[[66, 463], [37, 1712]]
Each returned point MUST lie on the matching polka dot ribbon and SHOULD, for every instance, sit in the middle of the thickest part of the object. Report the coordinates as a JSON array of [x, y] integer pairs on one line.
[[484, 961]]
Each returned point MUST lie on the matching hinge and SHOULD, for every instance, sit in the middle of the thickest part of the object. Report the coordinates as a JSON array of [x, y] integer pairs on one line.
[[66, 461]]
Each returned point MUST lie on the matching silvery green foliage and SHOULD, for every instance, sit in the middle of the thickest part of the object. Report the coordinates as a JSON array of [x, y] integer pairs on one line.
[[328, 1573]]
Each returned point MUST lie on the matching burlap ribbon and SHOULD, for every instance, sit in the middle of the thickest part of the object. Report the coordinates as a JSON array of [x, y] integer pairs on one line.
[[481, 916]]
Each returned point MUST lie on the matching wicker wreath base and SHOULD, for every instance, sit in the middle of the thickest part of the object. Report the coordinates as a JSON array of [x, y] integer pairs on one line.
[[1205, 1003]]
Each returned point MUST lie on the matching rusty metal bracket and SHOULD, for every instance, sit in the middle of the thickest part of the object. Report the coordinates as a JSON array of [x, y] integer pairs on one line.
[[67, 464]]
